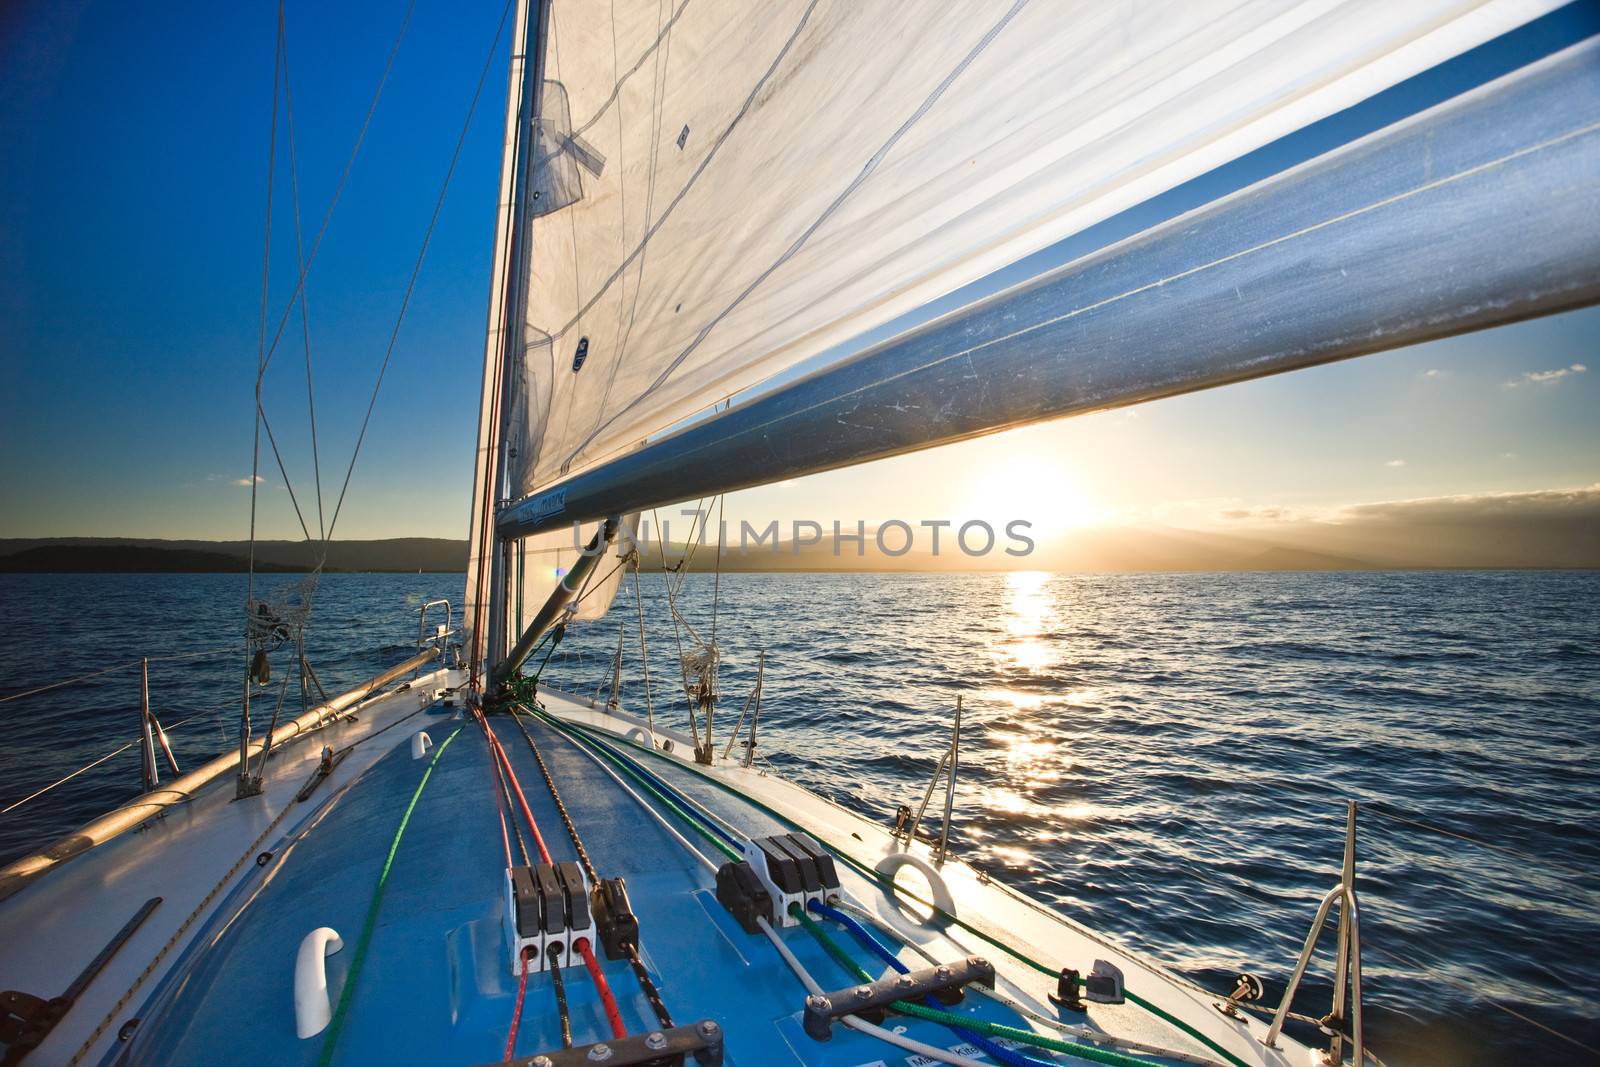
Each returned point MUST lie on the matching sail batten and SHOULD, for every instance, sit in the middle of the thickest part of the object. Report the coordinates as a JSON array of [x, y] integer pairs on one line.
[[725, 196]]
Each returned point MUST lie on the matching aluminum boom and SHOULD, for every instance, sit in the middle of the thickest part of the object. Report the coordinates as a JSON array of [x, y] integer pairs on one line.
[[1480, 211]]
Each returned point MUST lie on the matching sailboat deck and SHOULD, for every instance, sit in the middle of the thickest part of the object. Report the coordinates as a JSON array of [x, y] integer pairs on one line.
[[435, 985]]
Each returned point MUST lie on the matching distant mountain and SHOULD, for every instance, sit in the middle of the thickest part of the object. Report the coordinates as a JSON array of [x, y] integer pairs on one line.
[[1543, 528], [137, 555]]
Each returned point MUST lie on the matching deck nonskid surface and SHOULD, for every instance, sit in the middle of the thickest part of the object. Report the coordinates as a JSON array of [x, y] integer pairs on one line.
[[436, 984]]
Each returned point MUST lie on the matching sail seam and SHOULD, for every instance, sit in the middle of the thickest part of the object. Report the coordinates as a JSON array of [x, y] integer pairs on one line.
[[867, 170]]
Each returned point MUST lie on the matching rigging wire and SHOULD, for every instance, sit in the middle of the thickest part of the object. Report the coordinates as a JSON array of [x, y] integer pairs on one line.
[[1477, 993], [90, 766], [644, 650], [261, 336], [416, 269], [338, 191], [118, 667], [305, 311]]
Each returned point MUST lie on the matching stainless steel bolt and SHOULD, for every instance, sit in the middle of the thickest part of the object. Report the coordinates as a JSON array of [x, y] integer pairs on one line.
[[543, 1061], [943, 974], [600, 1053], [657, 1040], [906, 981], [708, 1027], [863, 992]]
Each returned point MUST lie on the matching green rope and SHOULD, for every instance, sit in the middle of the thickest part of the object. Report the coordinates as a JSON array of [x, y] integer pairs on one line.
[[690, 820], [365, 940], [966, 1022], [889, 885], [521, 690]]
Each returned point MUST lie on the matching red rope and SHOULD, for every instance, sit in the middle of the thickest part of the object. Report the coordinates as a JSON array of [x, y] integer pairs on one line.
[[606, 999], [516, 1014], [516, 787]]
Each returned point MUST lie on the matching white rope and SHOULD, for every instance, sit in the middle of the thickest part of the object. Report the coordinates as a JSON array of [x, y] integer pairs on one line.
[[1085, 1033], [900, 1040]]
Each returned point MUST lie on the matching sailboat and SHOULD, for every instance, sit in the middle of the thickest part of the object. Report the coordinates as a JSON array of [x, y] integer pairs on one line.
[[702, 205]]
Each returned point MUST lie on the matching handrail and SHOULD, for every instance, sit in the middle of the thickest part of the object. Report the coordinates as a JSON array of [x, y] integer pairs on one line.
[[422, 622], [14, 876]]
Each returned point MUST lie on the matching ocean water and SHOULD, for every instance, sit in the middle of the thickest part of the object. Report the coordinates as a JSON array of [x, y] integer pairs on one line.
[[1165, 757]]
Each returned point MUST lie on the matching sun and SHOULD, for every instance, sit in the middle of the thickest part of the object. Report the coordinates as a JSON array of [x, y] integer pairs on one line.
[[1035, 489]]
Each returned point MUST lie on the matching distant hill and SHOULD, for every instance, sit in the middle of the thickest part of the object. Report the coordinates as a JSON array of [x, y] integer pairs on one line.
[[68, 555], [1541, 528]]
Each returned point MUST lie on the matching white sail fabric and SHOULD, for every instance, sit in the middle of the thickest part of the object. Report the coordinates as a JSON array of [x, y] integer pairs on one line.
[[546, 559], [723, 190]]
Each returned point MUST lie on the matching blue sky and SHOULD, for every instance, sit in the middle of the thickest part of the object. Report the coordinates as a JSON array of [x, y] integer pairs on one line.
[[131, 227]]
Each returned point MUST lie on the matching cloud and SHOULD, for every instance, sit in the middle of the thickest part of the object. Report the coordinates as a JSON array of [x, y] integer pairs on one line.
[[1433, 372], [1267, 514], [1546, 377], [244, 483], [1543, 504], [1395, 463]]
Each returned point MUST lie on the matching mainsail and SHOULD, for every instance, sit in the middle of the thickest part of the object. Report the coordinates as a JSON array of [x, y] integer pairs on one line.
[[716, 197]]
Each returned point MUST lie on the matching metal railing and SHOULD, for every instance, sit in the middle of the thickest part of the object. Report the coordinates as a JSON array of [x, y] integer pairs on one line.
[[1347, 966]]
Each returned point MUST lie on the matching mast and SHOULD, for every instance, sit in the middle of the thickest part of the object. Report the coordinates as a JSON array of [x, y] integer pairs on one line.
[[487, 572], [1481, 211]]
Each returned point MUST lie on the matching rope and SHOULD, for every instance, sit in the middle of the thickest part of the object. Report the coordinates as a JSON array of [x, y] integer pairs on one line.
[[365, 940], [956, 1022], [416, 269], [177, 935], [888, 885], [505, 761], [562, 1012], [516, 1012], [555, 795], [1082, 1032], [609, 1002], [688, 819], [651, 993]]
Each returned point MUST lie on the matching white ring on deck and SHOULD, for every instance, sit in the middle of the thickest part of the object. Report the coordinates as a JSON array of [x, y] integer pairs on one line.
[[420, 743], [311, 1009], [890, 865]]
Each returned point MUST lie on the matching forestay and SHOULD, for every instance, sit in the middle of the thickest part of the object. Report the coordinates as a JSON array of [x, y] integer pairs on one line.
[[720, 193]]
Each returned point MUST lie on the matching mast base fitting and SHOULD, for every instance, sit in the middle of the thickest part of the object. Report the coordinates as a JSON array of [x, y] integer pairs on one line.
[[741, 892], [795, 871], [547, 912], [614, 917], [701, 1043], [944, 981]]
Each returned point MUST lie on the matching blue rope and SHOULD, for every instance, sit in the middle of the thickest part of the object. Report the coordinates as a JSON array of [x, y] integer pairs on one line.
[[869, 941]]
